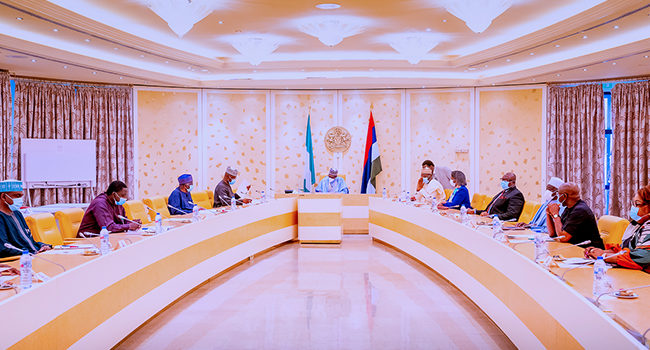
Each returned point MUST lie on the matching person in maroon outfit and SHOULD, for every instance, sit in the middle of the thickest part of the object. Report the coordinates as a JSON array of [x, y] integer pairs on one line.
[[104, 211]]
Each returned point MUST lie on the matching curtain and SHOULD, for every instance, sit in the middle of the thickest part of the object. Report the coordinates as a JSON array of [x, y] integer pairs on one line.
[[631, 144], [5, 126], [62, 111], [576, 140]]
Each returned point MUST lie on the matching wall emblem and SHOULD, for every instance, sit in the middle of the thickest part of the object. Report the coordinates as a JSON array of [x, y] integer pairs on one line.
[[338, 140]]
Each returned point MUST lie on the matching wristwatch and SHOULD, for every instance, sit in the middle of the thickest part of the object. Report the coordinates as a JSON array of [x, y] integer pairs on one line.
[[555, 216]]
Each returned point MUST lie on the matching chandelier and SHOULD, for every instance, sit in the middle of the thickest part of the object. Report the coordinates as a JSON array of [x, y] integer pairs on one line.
[[478, 14], [413, 48], [331, 32], [255, 50], [181, 15]]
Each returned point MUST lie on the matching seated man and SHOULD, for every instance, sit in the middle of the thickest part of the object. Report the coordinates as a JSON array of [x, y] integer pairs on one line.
[[13, 228], [442, 174], [180, 200], [507, 204], [431, 189], [550, 196], [577, 223], [223, 193], [332, 183], [104, 211], [636, 244]]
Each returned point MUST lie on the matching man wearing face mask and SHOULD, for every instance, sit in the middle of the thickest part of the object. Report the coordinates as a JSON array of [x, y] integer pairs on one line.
[[577, 223], [223, 192], [539, 220], [507, 204], [13, 228], [442, 174], [332, 183], [105, 209], [431, 189], [180, 200]]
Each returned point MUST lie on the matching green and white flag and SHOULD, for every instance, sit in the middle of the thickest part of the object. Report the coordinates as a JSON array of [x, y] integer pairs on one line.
[[309, 176]]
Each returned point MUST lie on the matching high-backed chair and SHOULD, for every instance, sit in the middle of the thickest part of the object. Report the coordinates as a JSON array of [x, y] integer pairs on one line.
[[69, 221], [158, 204], [486, 202], [44, 229], [612, 228], [210, 195], [530, 208], [448, 193], [135, 210], [477, 201], [202, 199]]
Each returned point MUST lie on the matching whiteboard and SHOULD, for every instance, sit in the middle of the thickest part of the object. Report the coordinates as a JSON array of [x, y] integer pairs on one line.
[[58, 161]]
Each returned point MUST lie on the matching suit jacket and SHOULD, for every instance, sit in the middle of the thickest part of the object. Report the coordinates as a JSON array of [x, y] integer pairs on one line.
[[507, 204]]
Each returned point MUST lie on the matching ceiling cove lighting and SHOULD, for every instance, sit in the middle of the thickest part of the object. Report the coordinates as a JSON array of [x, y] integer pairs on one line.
[[478, 14], [414, 48], [331, 32], [255, 50], [181, 15]]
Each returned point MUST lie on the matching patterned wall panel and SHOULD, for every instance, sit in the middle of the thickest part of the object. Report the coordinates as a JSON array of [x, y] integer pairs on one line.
[[167, 140], [291, 112], [387, 114], [235, 135], [440, 124], [511, 139]]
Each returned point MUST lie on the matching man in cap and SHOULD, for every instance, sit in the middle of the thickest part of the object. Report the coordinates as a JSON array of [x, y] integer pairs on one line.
[[180, 201], [431, 189], [223, 193], [13, 228], [442, 174], [332, 183], [550, 196]]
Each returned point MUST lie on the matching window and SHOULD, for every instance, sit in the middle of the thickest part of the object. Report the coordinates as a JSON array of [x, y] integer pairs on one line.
[[607, 104]]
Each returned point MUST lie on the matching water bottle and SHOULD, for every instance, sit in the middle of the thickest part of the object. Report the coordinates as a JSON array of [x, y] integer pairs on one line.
[[233, 204], [541, 248], [408, 198], [25, 270], [497, 230], [464, 219], [159, 228], [263, 198], [384, 195], [434, 206], [195, 214], [104, 243], [600, 279]]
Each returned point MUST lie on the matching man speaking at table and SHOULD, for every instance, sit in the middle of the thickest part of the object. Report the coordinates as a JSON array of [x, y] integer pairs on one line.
[[332, 183]]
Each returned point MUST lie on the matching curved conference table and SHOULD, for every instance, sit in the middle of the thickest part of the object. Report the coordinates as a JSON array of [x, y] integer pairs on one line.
[[101, 300]]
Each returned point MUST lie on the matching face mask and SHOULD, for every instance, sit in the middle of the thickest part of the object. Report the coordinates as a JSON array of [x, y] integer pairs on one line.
[[452, 183], [332, 179], [18, 202], [121, 201], [232, 182], [191, 188], [634, 213], [548, 195], [504, 184], [425, 180], [562, 202]]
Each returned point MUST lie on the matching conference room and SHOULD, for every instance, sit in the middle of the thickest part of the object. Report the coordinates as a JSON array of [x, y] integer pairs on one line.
[[215, 174]]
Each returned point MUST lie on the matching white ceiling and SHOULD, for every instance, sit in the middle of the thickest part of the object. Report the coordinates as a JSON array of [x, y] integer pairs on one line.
[[123, 41]]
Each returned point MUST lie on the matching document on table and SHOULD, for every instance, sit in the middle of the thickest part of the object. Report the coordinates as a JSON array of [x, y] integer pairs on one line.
[[242, 190], [64, 251], [4, 279]]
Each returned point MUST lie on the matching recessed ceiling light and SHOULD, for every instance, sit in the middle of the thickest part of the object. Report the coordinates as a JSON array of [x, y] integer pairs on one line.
[[328, 6], [116, 48], [220, 22], [56, 30], [534, 79], [645, 56], [19, 18], [508, 60], [615, 27], [444, 20], [584, 37], [254, 71], [65, 67], [614, 63], [87, 40], [486, 66], [166, 61], [141, 55], [336, 70], [370, 69], [302, 70], [204, 70], [532, 53], [121, 78], [428, 29], [584, 70], [558, 75], [557, 45], [94, 72]]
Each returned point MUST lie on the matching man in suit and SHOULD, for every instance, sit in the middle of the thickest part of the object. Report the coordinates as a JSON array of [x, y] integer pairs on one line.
[[507, 204]]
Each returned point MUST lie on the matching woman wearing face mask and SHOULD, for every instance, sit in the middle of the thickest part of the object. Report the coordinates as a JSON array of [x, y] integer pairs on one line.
[[460, 196], [105, 209], [636, 246], [13, 228]]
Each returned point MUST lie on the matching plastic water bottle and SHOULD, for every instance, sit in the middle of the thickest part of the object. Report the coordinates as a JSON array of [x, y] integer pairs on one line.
[[195, 214], [497, 230], [159, 228], [384, 195], [233, 204], [104, 242], [600, 279], [541, 248], [434, 206], [464, 219], [25, 270], [263, 198], [408, 198]]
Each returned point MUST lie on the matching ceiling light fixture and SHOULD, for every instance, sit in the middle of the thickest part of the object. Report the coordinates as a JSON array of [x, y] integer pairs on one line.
[[87, 40], [615, 27], [94, 72], [331, 32], [414, 48], [558, 75], [56, 30], [328, 6], [584, 37], [557, 45], [181, 15], [65, 67], [121, 78], [614, 63], [19, 18], [532, 53], [584, 70], [220, 22], [508, 60], [33, 60], [255, 50], [478, 15]]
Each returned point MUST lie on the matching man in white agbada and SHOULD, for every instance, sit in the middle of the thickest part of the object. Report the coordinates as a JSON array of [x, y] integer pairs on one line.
[[332, 183], [431, 189]]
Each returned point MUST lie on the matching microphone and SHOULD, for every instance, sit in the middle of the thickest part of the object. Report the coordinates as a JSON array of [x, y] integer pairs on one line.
[[148, 208], [573, 245], [587, 263], [89, 241], [182, 211], [228, 200], [260, 192], [532, 241], [8, 245]]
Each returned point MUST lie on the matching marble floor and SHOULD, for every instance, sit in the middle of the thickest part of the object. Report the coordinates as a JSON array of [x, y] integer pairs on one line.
[[359, 295]]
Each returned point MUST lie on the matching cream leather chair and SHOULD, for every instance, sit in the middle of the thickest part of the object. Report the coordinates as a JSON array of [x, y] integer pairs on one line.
[[69, 221], [158, 204], [44, 228], [135, 210], [612, 228]]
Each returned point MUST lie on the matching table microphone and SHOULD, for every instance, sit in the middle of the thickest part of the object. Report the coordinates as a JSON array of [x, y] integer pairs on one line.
[[89, 241], [533, 241], [228, 200], [148, 208], [182, 211], [573, 245], [260, 192], [8, 245], [587, 263]]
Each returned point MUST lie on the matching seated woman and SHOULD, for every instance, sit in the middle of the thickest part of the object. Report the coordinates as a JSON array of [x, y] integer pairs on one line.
[[460, 195], [636, 247], [105, 211]]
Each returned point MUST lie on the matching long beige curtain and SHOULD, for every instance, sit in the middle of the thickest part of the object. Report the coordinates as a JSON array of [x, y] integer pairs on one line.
[[62, 111], [5, 126], [631, 144], [576, 140]]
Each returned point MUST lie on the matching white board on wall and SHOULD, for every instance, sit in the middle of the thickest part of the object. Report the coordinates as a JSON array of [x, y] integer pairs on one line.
[[58, 161]]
